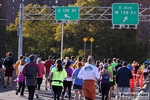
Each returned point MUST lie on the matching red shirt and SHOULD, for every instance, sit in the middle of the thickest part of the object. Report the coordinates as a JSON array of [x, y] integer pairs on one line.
[[48, 64]]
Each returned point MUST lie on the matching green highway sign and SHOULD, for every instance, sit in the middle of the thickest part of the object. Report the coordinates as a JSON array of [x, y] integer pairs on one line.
[[125, 13], [67, 13]]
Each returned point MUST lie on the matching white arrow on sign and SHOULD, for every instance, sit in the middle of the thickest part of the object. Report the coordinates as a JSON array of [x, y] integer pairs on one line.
[[66, 16], [125, 18]]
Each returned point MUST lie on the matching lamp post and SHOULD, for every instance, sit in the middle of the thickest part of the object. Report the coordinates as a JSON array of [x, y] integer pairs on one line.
[[91, 40], [85, 39]]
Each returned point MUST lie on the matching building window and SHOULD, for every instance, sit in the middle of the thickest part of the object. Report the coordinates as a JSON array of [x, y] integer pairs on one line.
[[50, 2], [56, 1], [44, 2], [22, 0], [12, 7], [13, 0], [12, 13], [139, 31]]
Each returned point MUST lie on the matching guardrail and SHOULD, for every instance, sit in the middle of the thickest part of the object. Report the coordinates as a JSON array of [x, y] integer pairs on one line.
[[144, 90]]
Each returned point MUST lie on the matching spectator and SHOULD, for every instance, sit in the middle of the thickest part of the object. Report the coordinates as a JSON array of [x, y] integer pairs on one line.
[[31, 71], [48, 63], [8, 67]]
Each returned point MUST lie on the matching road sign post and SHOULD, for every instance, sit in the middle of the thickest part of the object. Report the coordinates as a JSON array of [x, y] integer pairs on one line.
[[125, 14], [85, 39], [63, 13], [67, 13], [91, 40]]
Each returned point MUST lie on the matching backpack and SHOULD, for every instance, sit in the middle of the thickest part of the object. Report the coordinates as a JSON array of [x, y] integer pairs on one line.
[[20, 78]]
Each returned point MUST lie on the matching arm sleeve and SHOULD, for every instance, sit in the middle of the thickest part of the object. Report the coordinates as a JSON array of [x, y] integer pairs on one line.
[[80, 75], [64, 73], [130, 74], [24, 70], [96, 74], [117, 77]]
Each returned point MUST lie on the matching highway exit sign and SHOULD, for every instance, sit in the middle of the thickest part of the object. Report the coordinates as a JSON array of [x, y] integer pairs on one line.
[[67, 13], [125, 13]]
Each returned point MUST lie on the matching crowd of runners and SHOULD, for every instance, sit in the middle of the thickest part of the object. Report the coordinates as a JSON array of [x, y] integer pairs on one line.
[[110, 76]]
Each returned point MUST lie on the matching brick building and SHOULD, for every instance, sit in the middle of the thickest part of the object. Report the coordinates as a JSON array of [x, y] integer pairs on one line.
[[9, 10]]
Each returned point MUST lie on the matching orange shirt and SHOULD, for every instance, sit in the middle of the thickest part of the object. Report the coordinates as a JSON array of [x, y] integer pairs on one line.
[[75, 65], [17, 65]]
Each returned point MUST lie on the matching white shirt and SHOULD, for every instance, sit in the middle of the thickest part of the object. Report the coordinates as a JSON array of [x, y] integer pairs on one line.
[[20, 68], [88, 72]]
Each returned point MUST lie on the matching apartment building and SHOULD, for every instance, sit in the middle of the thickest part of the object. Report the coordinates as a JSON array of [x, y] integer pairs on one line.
[[9, 10]]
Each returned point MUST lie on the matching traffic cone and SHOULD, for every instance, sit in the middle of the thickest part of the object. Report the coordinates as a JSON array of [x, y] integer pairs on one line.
[[141, 81], [132, 83], [137, 77]]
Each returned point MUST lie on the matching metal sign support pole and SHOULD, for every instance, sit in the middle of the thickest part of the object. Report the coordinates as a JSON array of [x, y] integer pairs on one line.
[[20, 31], [62, 39]]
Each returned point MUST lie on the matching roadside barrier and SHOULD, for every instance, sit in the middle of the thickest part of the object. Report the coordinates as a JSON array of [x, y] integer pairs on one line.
[[145, 88]]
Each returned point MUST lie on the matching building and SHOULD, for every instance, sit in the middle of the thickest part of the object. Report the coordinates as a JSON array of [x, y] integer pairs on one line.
[[9, 10]]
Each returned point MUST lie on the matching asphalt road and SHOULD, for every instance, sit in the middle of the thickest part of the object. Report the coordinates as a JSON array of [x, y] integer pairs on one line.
[[9, 94]]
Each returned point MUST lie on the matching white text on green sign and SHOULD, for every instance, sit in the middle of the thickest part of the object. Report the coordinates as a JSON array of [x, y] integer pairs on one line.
[[125, 13], [67, 13]]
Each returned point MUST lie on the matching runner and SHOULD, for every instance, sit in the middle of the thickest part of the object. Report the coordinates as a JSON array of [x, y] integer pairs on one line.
[[110, 68], [105, 76], [89, 74], [8, 68], [21, 84], [42, 71], [31, 71], [16, 67], [123, 77], [77, 61], [57, 75], [77, 83], [67, 83], [27, 59], [48, 63]]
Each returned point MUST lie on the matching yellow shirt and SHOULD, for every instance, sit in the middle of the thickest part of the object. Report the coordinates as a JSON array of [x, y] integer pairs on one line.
[[17, 65], [59, 76]]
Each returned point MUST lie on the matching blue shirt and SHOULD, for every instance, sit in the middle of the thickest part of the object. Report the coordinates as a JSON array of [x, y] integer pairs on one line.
[[130, 67], [105, 78], [27, 59], [77, 81], [53, 66], [123, 77]]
